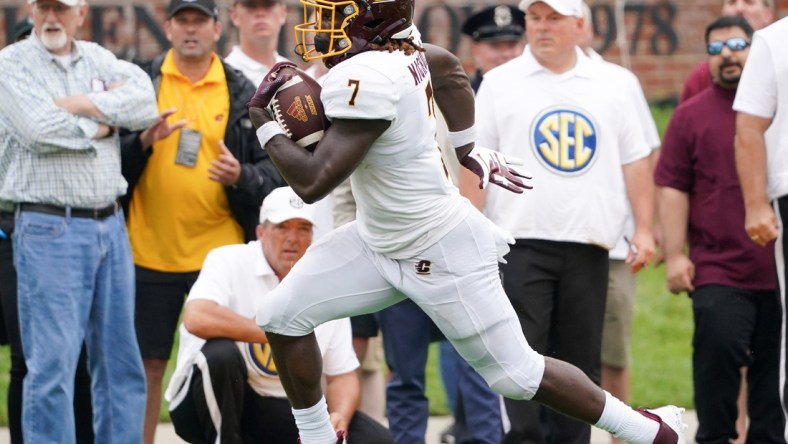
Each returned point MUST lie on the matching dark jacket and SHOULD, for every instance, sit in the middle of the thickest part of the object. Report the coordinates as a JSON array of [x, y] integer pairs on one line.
[[258, 174], [476, 80]]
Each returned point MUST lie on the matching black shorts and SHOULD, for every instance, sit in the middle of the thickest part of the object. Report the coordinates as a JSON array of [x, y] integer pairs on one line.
[[159, 301]]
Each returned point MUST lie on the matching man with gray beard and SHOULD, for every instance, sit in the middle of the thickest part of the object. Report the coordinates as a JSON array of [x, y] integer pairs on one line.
[[62, 100]]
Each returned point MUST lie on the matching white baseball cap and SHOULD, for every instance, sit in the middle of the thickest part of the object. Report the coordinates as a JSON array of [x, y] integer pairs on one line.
[[570, 8], [284, 204], [71, 3]]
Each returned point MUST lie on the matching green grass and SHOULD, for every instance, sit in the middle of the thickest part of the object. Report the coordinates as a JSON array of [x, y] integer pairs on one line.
[[661, 116], [5, 367], [661, 370]]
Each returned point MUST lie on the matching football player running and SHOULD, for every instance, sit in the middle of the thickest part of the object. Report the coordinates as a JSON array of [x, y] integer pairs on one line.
[[415, 236]]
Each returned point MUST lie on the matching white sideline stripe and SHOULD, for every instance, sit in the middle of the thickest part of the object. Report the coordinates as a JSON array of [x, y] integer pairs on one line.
[[210, 397], [182, 392]]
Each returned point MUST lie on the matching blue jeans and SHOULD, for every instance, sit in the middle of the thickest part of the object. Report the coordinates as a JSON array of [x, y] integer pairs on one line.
[[476, 408], [75, 284], [83, 412], [407, 333]]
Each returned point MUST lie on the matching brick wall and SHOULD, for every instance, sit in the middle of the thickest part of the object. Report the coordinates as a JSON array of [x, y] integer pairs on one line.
[[664, 39], [662, 73]]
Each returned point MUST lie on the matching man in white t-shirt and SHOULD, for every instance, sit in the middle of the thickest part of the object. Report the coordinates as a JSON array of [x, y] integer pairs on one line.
[[226, 386], [575, 125], [621, 284], [259, 23], [762, 154]]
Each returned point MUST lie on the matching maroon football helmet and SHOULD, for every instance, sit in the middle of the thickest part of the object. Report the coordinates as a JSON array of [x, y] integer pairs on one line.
[[335, 30]]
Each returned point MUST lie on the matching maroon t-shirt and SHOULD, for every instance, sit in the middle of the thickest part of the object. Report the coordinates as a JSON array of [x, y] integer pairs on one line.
[[698, 80], [697, 158]]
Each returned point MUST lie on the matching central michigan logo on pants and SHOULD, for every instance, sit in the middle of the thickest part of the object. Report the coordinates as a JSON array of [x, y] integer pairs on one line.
[[423, 267]]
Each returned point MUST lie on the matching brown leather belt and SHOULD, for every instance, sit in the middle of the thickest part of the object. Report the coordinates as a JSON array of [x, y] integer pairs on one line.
[[90, 213]]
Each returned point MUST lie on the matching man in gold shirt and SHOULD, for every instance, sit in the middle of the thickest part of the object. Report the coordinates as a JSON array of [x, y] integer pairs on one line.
[[197, 179]]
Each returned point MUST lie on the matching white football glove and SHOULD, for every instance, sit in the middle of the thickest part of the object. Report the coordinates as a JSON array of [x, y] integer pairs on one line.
[[494, 167], [502, 241]]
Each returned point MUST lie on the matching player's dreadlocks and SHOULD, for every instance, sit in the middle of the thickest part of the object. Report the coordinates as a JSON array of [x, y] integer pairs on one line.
[[408, 46]]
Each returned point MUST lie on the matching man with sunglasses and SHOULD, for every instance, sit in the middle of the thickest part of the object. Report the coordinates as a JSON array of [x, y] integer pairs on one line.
[[761, 128], [758, 13], [730, 280]]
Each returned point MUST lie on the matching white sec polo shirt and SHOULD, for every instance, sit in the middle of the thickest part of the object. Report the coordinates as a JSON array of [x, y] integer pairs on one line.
[[574, 131]]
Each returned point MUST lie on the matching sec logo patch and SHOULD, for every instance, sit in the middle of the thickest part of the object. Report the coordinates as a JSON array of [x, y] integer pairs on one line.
[[262, 358], [565, 140]]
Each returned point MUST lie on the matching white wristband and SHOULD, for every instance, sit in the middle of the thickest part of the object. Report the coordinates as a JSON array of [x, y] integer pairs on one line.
[[266, 132], [462, 138]]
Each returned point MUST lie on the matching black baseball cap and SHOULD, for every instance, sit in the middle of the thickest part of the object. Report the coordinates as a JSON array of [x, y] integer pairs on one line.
[[207, 7], [496, 23], [22, 29]]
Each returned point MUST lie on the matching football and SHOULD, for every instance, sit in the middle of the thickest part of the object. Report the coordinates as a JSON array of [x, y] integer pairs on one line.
[[297, 108]]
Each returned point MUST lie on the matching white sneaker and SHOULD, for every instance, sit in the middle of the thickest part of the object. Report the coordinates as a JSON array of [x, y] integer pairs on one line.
[[671, 424]]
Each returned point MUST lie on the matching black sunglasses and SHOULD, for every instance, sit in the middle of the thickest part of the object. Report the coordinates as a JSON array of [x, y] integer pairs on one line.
[[734, 44]]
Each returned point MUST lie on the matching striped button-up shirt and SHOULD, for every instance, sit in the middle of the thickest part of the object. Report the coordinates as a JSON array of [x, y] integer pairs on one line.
[[47, 155]]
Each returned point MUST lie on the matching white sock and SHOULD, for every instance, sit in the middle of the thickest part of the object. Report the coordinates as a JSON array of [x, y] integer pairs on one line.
[[625, 423], [314, 425]]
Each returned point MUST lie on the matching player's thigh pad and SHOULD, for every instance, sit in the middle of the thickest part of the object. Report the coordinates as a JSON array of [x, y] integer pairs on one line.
[[337, 277], [456, 282]]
